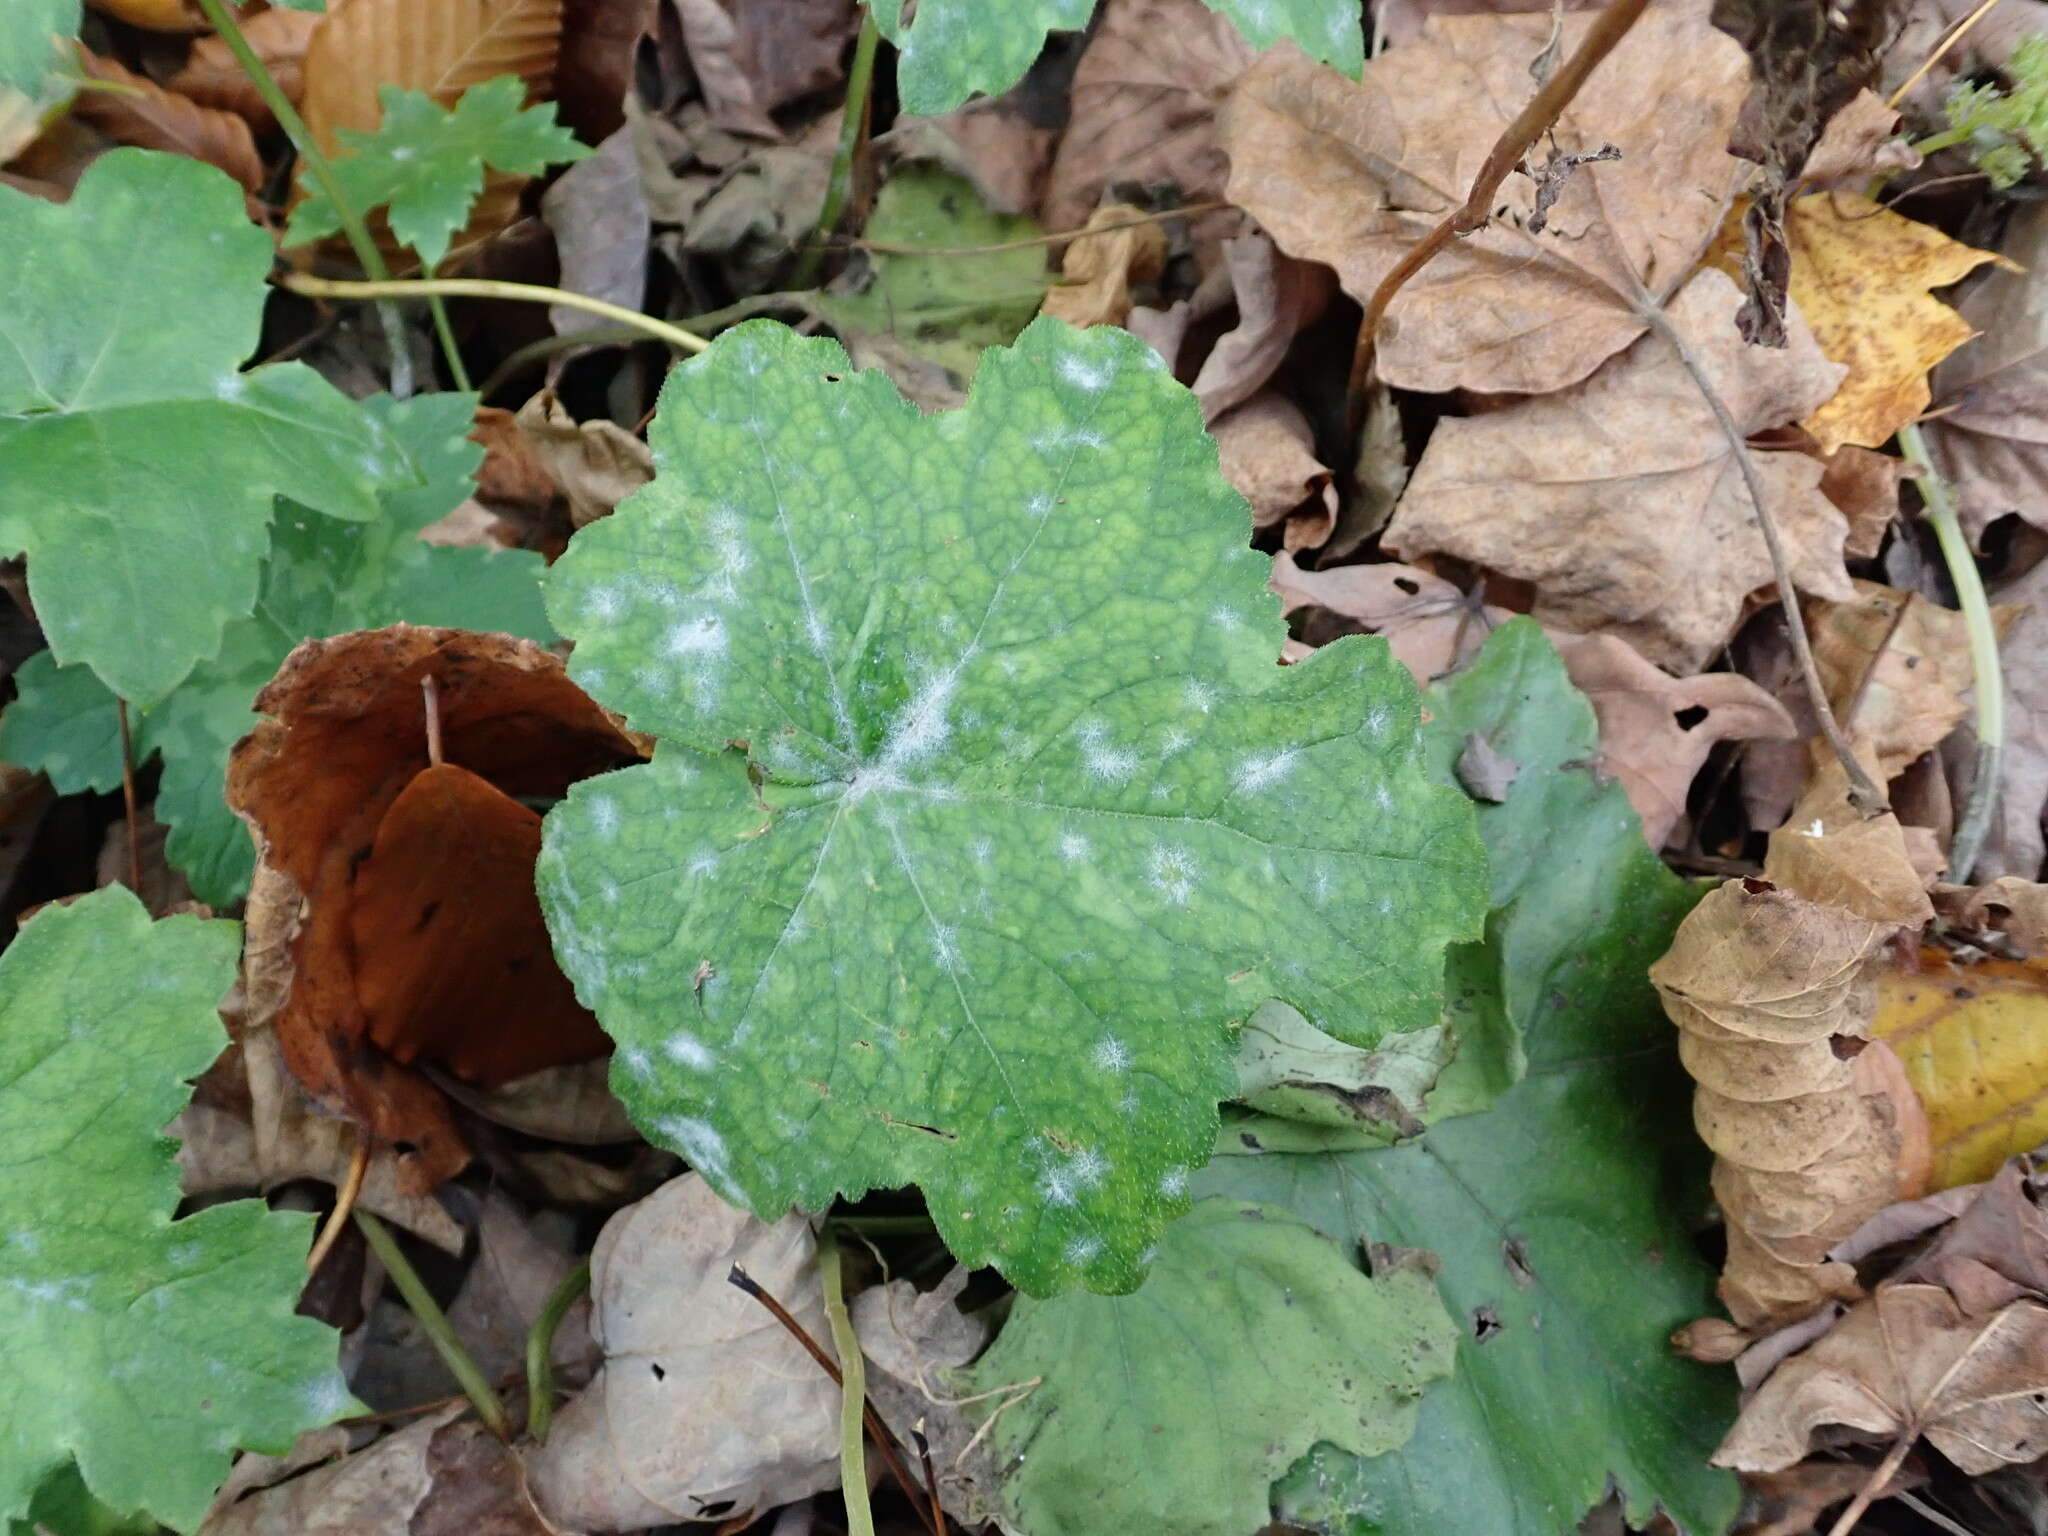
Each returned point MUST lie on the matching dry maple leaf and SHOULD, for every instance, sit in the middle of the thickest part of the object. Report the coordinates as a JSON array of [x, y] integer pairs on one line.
[[1860, 276], [1354, 173], [1620, 498], [1908, 1362]]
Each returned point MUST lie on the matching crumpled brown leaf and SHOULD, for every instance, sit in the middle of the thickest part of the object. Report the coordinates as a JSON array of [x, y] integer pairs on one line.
[[601, 226], [1619, 498], [1353, 174], [138, 111], [751, 59], [704, 1405], [1908, 1361], [1276, 297], [1100, 270], [1996, 1250], [1267, 451], [211, 77], [2014, 908], [1428, 623], [597, 463]]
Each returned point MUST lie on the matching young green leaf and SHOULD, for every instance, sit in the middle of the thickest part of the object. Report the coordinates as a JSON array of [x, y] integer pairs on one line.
[[145, 1349], [32, 34], [425, 164], [1560, 1216], [323, 578], [140, 465], [955, 48], [981, 809], [1174, 1409]]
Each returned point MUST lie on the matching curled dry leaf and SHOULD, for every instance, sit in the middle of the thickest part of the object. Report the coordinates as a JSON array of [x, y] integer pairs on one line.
[[705, 1405], [913, 1340], [138, 111], [2015, 843], [1276, 296], [1896, 668], [1427, 622], [1353, 174], [1619, 498], [1971, 1041], [315, 781], [2014, 909], [1860, 141], [597, 463], [1100, 270], [1267, 450], [156, 15], [1995, 1251], [1908, 1361], [211, 76]]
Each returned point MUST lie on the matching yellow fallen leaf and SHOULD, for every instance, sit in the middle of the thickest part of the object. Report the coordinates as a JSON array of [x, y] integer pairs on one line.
[[1860, 276], [1974, 1042]]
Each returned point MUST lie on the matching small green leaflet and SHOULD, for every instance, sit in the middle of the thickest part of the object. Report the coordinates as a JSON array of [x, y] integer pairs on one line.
[[323, 578], [140, 465], [425, 164], [1026, 816], [1560, 1216], [144, 1349], [955, 48], [1173, 1409], [32, 33]]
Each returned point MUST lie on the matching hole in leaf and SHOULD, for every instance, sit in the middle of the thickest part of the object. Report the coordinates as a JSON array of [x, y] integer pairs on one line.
[[1486, 1324], [1408, 584], [1689, 717], [659, 1373]]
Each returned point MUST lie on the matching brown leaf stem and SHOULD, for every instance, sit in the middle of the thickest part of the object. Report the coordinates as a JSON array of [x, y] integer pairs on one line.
[[344, 1202], [1875, 1484], [1542, 110]]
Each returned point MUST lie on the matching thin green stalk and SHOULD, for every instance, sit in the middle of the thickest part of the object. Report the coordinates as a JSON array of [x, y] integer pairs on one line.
[[491, 288], [853, 130], [434, 1322], [853, 1386], [446, 332], [540, 1352], [1986, 669], [358, 233]]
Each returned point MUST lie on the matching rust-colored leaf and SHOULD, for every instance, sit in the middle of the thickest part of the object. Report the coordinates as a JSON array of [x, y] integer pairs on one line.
[[213, 78], [138, 111]]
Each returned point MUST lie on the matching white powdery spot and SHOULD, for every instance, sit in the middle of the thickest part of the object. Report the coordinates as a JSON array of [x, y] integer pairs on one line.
[[1319, 884], [703, 866], [601, 603], [636, 1061], [1383, 797], [1082, 374], [1226, 618], [1057, 1187], [703, 1146], [230, 387], [326, 1398], [1074, 847], [1258, 771], [1067, 437], [1081, 1250], [686, 1050], [1172, 872], [1175, 742], [1110, 764], [983, 849], [1089, 1167], [1198, 696], [1111, 1055], [1377, 720], [1039, 506], [608, 892], [702, 636], [604, 815], [944, 950], [1173, 1183]]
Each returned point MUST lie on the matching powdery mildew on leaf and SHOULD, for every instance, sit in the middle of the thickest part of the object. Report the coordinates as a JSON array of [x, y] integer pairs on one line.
[[144, 1348], [1026, 815], [955, 48]]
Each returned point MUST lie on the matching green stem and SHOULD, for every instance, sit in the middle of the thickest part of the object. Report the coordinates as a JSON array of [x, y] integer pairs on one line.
[[434, 1322], [1987, 671], [853, 1386], [491, 288], [540, 1352], [853, 129], [446, 332], [295, 128], [1942, 140]]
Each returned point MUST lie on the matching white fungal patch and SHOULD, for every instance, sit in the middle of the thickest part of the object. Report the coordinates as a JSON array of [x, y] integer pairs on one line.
[[326, 1398], [1089, 1167], [686, 1050], [604, 815], [1175, 742], [1173, 1183], [608, 892], [636, 1061], [1111, 1055], [1262, 769], [230, 387], [1172, 873], [1057, 1186], [1039, 505], [1103, 760], [703, 866], [702, 1145], [1198, 696], [1081, 1250], [945, 949], [983, 849], [602, 603], [1383, 797], [1377, 719], [1074, 847], [1082, 374], [1226, 618], [1067, 437], [703, 635]]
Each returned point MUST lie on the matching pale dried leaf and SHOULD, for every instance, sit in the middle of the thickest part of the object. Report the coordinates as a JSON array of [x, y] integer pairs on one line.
[[1860, 141], [1831, 852], [601, 226], [993, 143], [1896, 669], [912, 1339], [2015, 844], [1268, 452], [1276, 297], [598, 463], [1427, 622], [1353, 174], [713, 34], [1619, 498], [1098, 272], [2016, 908]]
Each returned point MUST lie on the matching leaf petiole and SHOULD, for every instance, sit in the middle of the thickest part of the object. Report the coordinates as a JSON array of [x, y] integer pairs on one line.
[[434, 1323]]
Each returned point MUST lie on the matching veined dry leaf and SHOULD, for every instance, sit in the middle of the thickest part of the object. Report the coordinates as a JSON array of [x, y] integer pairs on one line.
[[1402, 21], [1896, 668], [1908, 1360], [138, 111], [1099, 271], [1619, 498], [1267, 450], [211, 77], [1656, 730], [442, 47], [1276, 296], [1860, 276], [1974, 1042], [1830, 852], [1995, 1251], [1353, 174], [1860, 141], [597, 463], [1429, 625]]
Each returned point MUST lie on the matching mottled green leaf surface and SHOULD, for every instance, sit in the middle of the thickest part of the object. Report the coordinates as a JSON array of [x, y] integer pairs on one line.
[[144, 1349], [1026, 815], [1173, 1408], [139, 465], [953, 49], [424, 163], [323, 578], [1562, 1215]]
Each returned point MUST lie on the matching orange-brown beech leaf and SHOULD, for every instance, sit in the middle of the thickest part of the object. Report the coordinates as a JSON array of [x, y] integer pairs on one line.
[[442, 47], [1974, 1043], [156, 15], [211, 77], [1762, 984], [452, 957], [138, 111], [1354, 173], [1908, 1361], [316, 780]]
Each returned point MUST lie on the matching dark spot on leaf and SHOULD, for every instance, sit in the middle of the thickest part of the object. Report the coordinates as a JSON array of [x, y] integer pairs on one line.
[[1408, 584], [1515, 1255], [1250, 1141], [1486, 1324], [659, 1373], [426, 916]]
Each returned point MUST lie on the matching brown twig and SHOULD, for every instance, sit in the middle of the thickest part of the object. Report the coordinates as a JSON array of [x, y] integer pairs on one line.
[[888, 248], [1556, 93], [1874, 1485], [931, 1478], [128, 800], [344, 1202], [740, 1280], [1863, 794]]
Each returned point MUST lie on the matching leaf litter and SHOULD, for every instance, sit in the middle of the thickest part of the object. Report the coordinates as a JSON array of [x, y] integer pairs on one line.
[[1035, 801]]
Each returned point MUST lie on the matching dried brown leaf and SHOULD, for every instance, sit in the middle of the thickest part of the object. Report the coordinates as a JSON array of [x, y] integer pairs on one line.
[[1619, 498], [1267, 451], [751, 59], [138, 111], [1830, 852], [1427, 622], [1353, 174], [601, 226], [211, 76], [1276, 297], [2015, 908], [1098, 272], [597, 463]]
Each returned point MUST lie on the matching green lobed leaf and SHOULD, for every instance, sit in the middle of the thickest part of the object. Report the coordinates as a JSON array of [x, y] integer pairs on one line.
[[32, 38], [140, 466], [425, 163], [144, 1349], [1025, 817], [1173, 1408], [323, 578], [955, 48], [1560, 1216]]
